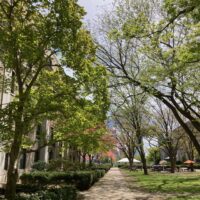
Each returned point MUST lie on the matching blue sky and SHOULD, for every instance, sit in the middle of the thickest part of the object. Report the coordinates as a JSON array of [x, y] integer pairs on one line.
[[93, 7]]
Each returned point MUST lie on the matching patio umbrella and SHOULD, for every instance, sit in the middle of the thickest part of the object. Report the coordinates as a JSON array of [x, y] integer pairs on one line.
[[189, 162], [125, 160], [163, 162]]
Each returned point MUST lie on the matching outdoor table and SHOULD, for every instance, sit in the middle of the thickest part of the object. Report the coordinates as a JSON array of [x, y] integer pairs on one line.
[[183, 169]]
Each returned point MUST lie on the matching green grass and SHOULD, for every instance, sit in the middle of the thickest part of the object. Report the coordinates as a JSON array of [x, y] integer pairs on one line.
[[180, 185], [185, 197]]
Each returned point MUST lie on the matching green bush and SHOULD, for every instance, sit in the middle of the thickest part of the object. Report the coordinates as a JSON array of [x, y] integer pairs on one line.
[[57, 177], [65, 165], [45, 178], [84, 179], [40, 165], [27, 188], [36, 177], [55, 165], [100, 173], [25, 196], [65, 193], [105, 167], [81, 179]]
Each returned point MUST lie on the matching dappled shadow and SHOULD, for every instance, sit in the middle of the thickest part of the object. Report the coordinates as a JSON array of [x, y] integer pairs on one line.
[[183, 185], [113, 187], [167, 184]]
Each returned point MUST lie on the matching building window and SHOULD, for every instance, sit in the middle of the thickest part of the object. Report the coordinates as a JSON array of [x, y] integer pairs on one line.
[[38, 131], [6, 161], [50, 154], [51, 133], [22, 161], [37, 156], [12, 82], [52, 137]]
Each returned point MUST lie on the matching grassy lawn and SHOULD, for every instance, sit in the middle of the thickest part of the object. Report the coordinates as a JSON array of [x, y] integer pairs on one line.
[[181, 185]]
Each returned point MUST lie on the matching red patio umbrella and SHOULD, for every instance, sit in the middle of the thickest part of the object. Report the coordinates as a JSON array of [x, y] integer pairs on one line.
[[189, 162]]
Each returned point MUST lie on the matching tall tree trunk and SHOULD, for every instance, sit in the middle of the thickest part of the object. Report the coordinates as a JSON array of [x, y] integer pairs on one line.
[[90, 160], [79, 157], [12, 172], [84, 160], [130, 163], [131, 154], [192, 167], [173, 163], [188, 130], [143, 159], [142, 152]]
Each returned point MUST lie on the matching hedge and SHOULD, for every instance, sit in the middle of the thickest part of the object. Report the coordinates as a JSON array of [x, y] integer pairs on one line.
[[65, 193], [100, 173], [36, 177], [27, 188], [105, 167], [81, 179]]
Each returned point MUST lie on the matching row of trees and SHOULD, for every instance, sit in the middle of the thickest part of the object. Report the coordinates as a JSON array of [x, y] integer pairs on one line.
[[33, 34], [152, 47]]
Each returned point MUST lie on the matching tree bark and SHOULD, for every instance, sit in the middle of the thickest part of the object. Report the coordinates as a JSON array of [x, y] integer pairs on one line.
[[90, 160], [84, 160], [130, 163], [12, 173], [143, 159], [141, 152], [144, 162], [173, 164], [183, 124]]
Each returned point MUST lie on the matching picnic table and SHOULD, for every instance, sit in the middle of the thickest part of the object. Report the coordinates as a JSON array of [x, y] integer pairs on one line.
[[184, 169]]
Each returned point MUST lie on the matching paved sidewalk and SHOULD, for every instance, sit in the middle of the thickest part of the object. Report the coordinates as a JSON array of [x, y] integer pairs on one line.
[[114, 187]]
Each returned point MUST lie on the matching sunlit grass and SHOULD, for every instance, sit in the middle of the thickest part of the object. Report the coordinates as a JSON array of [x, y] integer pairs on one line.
[[180, 185]]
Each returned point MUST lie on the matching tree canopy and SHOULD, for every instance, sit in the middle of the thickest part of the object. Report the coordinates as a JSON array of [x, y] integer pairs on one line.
[[154, 45], [38, 41]]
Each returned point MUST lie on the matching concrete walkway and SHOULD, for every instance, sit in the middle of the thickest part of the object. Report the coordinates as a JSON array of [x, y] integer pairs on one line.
[[114, 187]]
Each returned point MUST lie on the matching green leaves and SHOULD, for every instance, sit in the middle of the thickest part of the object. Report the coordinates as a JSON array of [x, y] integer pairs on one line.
[[32, 34], [137, 26]]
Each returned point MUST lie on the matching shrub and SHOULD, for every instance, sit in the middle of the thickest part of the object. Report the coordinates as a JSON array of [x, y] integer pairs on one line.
[[65, 193], [36, 177], [2, 191], [27, 188], [55, 165], [81, 179], [105, 167], [100, 173], [57, 177], [84, 179], [65, 165], [40, 165]]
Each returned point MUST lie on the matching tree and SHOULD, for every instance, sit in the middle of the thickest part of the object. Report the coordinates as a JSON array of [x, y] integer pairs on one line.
[[129, 115], [84, 128], [170, 138], [125, 141], [156, 50], [154, 155], [32, 33]]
